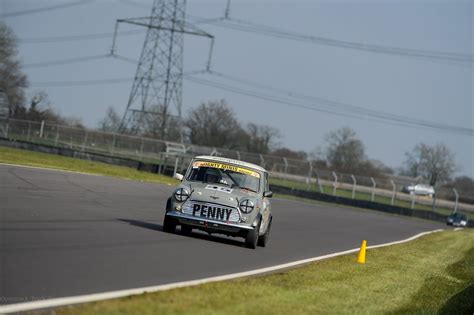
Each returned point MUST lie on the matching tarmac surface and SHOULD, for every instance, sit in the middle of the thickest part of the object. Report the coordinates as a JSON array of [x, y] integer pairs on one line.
[[65, 234]]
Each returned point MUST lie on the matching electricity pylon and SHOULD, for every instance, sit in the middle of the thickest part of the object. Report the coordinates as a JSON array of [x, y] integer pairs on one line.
[[159, 75]]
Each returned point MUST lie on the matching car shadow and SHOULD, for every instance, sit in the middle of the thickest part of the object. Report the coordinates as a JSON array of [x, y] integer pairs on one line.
[[196, 234], [215, 238], [143, 224]]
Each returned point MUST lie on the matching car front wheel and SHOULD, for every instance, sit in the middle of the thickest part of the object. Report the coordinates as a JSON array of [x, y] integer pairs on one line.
[[263, 240], [186, 229], [252, 237], [169, 225]]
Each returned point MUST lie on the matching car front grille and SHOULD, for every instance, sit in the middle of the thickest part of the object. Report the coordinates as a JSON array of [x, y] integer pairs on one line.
[[212, 211]]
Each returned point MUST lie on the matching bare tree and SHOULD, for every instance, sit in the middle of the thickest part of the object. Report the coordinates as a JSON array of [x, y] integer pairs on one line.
[[111, 121], [12, 80], [40, 108], [159, 124], [261, 138], [434, 163], [344, 151], [288, 153], [213, 124]]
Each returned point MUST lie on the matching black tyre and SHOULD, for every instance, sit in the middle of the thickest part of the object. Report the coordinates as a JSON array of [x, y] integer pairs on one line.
[[252, 237], [263, 240], [169, 225], [186, 229]]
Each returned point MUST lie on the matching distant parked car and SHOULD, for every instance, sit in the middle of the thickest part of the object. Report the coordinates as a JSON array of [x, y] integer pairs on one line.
[[457, 219], [419, 189]]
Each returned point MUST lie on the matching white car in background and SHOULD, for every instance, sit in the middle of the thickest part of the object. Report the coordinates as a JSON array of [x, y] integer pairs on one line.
[[419, 189]]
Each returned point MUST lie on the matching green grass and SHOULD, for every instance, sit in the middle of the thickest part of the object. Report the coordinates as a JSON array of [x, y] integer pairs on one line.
[[30, 158], [429, 275], [98, 148]]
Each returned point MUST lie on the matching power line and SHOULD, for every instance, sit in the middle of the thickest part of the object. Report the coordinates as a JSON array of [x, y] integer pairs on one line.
[[341, 106], [45, 9], [73, 38], [249, 27], [79, 60], [65, 61], [81, 82], [99, 81], [322, 107], [290, 99], [136, 4]]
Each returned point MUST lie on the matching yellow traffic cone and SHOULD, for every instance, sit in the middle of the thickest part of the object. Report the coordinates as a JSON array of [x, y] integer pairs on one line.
[[361, 256]]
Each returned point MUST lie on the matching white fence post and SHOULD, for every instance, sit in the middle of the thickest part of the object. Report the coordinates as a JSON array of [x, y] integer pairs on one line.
[[310, 174], [413, 196], [57, 136], [85, 142], [29, 131], [334, 184], [41, 129], [394, 190], [321, 190], [262, 161], [456, 201], [113, 144], [238, 155], [141, 149], [374, 184], [175, 166], [354, 183]]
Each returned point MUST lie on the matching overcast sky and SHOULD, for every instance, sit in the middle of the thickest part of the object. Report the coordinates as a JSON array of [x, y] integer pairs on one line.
[[439, 92]]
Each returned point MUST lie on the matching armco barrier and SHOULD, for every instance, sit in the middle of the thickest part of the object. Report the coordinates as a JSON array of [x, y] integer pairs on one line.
[[423, 214]]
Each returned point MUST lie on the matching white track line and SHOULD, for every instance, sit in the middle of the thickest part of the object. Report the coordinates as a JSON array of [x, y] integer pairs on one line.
[[34, 305]]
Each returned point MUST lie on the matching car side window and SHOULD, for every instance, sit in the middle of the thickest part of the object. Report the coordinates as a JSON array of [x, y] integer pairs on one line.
[[267, 185]]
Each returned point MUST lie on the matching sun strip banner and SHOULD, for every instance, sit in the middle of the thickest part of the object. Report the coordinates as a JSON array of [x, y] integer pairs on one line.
[[226, 167]]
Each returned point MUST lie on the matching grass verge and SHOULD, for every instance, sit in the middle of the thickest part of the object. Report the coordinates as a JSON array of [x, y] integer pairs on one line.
[[429, 275], [30, 158]]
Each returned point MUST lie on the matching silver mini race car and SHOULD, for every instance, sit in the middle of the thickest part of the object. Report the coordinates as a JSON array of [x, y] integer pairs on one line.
[[220, 195]]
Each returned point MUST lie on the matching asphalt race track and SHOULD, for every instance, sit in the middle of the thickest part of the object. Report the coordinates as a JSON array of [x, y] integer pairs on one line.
[[64, 234]]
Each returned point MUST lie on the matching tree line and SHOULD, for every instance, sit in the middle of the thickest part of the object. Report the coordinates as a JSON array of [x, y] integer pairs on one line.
[[215, 124]]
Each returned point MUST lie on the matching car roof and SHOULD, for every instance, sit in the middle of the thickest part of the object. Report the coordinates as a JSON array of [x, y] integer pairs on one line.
[[230, 161]]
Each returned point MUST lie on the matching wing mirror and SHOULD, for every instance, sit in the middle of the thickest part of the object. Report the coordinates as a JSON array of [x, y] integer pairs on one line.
[[268, 194], [178, 176]]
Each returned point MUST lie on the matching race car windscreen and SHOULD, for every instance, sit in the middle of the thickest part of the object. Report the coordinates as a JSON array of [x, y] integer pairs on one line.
[[225, 174]]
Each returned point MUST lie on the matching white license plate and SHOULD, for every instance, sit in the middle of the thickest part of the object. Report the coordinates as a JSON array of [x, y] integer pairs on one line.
[[212, 211]]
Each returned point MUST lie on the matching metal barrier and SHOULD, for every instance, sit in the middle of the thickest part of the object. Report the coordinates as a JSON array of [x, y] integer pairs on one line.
[[299, 174]]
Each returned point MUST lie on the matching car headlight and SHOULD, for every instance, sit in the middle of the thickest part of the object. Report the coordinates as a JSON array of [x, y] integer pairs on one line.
[[246, 206], [181, 194]]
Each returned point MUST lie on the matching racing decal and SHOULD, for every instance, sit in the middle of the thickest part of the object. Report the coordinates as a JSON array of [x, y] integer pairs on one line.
[[226, 167], [219, 188], [212, 211]]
